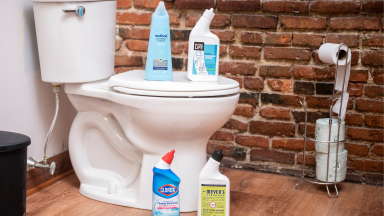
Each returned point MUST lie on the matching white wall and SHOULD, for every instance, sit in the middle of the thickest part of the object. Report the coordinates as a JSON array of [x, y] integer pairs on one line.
[[27, 104]]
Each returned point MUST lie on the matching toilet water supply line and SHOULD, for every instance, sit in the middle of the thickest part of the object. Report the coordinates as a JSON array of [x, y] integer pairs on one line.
[[31, 163]]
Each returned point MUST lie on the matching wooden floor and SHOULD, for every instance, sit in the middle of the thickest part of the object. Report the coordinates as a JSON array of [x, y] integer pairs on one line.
[[252, 193]]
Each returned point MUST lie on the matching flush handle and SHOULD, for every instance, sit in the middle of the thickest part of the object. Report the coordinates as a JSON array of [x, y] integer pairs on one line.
[[80, 11]]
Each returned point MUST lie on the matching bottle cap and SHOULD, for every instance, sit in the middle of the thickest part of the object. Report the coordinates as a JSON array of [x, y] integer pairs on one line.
[[168, 158], [209, 14], [218, 155]]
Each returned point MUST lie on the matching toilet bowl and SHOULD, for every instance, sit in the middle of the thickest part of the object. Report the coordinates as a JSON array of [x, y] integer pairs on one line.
[[117, 138]]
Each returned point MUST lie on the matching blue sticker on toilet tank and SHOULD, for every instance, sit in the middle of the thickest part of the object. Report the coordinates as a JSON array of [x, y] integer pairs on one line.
[[204, 59]]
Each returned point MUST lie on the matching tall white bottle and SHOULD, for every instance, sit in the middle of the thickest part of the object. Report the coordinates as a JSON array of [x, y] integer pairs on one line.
[[203, 51], [214, 190]]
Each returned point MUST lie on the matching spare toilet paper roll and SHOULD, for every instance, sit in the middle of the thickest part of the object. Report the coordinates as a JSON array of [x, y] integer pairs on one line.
[[321, 166], [322, 134]]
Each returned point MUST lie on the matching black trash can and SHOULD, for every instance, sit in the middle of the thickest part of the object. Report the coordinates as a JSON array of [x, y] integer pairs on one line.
[[13, 173]]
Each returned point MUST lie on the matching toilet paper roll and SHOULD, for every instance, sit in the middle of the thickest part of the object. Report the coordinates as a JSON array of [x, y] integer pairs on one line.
[[321, 166], [322, 134]]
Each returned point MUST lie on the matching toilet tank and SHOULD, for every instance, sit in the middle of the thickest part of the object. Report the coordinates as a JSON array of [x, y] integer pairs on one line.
[[73, 48]]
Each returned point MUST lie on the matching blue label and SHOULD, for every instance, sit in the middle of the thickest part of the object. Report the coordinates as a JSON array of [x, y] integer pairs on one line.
[[165, 197], [204, 59]]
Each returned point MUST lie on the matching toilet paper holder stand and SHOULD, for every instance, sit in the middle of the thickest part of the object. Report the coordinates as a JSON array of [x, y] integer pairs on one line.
[[328, 182]]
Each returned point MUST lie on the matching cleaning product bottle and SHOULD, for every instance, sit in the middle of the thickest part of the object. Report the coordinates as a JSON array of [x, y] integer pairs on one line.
[[165, 196], [159, 59], [213, 188], [203, 51]]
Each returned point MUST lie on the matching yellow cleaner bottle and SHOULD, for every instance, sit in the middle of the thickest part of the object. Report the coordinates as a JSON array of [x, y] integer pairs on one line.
[[213, 188], [203, 51]]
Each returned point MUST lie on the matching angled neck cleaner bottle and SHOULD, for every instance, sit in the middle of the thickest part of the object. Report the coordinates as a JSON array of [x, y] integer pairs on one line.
[[165, 196], [159, 59], [213, 188], [203, 51]]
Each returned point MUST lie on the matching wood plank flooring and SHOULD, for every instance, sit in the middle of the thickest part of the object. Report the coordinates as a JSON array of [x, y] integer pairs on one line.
[[252, 193]]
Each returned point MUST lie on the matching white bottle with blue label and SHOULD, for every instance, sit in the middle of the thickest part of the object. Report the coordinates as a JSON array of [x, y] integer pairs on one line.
[[203, 51], [165, 187]]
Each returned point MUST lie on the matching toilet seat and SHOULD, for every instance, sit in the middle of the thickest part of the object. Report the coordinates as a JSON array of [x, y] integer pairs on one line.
[[133, 82]]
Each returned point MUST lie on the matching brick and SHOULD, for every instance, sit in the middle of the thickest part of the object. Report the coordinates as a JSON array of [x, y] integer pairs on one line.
[[374, 178], [228, 162], [354, 177], [245, 51], [137, 45], [124, 60], [284, 6], [151, 4], [180, 34], [378, 76], [252, 37], [293, 53], [313, 72], [355, 89], [294, 6], [366, 164], [358, 76], [367, 134], [357, 148], [280, 84], [311, 116], [276, 38], [194, 4], [219, 20], [310, 129], [242, 5], [256, 83], [227, 149], [293, 144], [238, 79], [273, 128], [324, 88], [335, 6], [174, 18], [307, 88], [323, 102], [133, 18], [303, 22], [273, 155], [118, 42], [304, 39], [224, 35], [373, 58], [275, 70], [239, 153], [374, 120], [351, 39], [378, 149], [373, 40], [275, 112], [369, 105], [293, 100], [254, 21], [373, 6], [223, 49], [244, 110], [354, 23], [124, 3], [249, 97], [237, 67], [374, 90], [134, 33], [236, 124], [353, 119], [273, 6], [223, 135], [310, 159], [177, 47], [253, 140]]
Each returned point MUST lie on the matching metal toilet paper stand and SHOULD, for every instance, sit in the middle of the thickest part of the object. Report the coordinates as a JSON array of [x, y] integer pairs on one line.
[[305, 135]]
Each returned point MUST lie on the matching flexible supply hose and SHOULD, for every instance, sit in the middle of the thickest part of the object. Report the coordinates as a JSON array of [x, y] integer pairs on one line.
[[56, 89]]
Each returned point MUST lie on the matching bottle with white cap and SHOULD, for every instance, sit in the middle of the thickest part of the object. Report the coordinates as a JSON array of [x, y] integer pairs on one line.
[[203, 51]]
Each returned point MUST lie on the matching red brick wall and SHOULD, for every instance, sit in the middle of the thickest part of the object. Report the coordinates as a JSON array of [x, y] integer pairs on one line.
[[270, 48]]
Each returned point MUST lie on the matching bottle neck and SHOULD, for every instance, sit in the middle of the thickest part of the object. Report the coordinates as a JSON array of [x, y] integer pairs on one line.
[[203, 24], [212, 166], [162, 165]]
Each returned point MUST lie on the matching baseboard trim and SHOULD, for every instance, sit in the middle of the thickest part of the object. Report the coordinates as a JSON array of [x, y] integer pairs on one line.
[[50, 182]]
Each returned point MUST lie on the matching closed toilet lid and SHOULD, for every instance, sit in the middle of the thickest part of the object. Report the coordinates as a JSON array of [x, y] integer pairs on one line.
[[133, 82]]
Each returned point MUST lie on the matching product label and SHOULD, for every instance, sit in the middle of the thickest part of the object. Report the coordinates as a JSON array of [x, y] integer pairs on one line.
[[166, 201], [160, 52], [204, 59], [213, 200]]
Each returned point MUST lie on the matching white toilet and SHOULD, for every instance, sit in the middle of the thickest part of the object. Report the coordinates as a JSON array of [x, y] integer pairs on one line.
[[125, 124]]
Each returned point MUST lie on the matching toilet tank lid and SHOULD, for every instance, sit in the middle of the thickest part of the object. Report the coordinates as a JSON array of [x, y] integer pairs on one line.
[[56, 1]]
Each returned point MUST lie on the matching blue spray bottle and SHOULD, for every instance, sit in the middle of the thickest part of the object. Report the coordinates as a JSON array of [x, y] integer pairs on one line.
[[159, 59], [165, 196]]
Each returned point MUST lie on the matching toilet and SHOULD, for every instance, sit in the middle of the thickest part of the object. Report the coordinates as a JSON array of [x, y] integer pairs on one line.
[[125, 124]]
